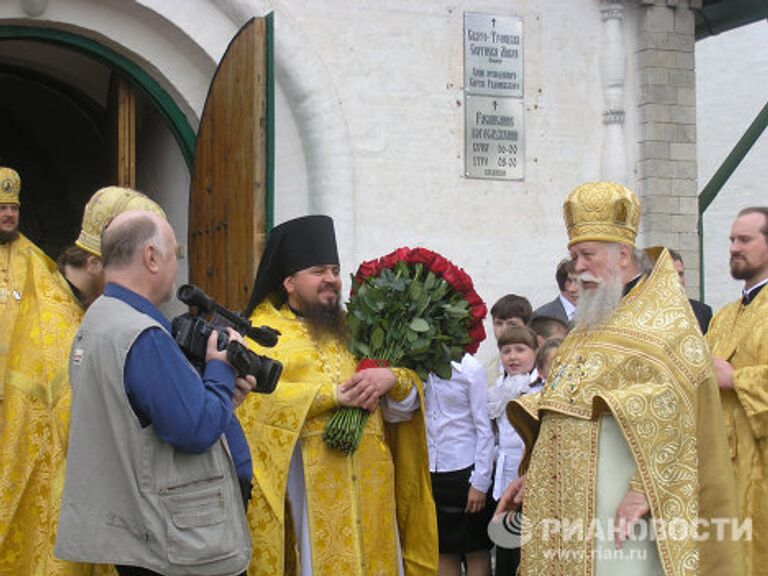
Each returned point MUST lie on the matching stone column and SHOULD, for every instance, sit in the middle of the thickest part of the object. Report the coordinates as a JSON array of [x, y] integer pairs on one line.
[[613, 73], [666, 166]]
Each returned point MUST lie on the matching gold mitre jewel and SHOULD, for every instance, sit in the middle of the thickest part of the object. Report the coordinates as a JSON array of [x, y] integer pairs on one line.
[[601, 212], [10, 186], [103, 206]]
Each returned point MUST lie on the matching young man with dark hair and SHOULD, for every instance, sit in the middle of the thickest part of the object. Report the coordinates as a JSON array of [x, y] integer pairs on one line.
[[563, 306], [510, 310], [703, 312]]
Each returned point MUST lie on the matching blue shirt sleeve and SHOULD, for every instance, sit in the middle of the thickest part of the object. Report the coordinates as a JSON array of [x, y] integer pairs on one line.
[[164, 390]]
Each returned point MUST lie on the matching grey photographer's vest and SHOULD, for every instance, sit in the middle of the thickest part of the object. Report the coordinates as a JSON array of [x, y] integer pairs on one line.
[[130, 498]]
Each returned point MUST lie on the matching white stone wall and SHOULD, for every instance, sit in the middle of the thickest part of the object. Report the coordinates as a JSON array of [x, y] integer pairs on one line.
[[732, 88], [397, 70], [370, 115]]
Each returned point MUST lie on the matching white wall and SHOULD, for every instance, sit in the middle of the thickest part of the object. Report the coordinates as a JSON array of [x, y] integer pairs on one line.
[[396, 68], [370, 117], [162, 174], [732, 88]]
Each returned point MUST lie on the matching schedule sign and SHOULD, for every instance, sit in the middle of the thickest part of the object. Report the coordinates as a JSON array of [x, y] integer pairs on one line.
[[494, 138], [493, 55]]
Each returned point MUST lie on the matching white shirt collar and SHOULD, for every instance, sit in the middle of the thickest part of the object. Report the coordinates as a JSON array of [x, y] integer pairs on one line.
[[567, 306], [755, 287]]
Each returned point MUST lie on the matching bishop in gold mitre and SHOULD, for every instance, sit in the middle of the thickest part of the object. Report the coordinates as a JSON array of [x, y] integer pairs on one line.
[[15, 249], [625, 470], [33, 443]]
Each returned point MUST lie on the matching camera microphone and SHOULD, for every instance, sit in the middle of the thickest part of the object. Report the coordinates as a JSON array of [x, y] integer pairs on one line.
[[194, 296], [191, 295]]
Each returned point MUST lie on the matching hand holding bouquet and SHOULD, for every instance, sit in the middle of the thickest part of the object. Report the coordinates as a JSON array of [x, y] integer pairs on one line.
[[413, 309]]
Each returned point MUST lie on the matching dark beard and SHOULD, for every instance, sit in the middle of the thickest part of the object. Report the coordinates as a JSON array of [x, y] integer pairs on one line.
[[325, 321], [7, 237], [744, 272]]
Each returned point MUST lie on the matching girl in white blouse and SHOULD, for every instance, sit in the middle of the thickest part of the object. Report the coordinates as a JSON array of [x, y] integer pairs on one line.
[[517, 349], [460, 443]]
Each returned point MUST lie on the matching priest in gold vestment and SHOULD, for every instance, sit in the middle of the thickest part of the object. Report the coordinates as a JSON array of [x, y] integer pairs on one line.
[[625, 464], [738, 337], [33, 443], [15, 251], [315, 510]]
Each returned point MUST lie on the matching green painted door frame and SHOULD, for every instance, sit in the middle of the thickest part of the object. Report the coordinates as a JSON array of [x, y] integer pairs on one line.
[[177, 122]]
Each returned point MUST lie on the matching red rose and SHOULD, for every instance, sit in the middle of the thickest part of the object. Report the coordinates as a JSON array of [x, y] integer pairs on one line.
[[399, 255], [457, 278], [367, 269], [421, 256], [478, 312], [473, 299], [440, 265], [366, 363], [477, 334]]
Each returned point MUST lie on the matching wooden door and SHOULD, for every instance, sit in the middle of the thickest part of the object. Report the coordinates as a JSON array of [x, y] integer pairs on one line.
[[121, 132], [227, 220]]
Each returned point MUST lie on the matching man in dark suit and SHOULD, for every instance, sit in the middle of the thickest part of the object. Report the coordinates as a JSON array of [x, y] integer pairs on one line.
[[702, 311], [563, 306]]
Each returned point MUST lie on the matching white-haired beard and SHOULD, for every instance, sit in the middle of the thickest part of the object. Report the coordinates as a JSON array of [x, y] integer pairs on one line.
[[595, 306]]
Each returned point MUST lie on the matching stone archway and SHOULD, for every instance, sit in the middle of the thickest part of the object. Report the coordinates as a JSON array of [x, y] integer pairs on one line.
[[179, 48]]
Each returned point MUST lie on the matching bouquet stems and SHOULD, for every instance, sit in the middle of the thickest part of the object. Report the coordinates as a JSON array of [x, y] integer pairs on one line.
[[345, 429]]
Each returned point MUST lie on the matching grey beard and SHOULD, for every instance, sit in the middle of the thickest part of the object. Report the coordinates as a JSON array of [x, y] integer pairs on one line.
[[596, 306]]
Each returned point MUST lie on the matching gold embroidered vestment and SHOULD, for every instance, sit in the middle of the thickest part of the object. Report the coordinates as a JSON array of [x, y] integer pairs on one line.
[[33, 443], [358, 504], [648, 366], [13, 272], [739, 334]]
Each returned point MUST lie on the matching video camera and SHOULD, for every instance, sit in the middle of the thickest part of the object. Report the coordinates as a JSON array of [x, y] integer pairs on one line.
[[192, 332]]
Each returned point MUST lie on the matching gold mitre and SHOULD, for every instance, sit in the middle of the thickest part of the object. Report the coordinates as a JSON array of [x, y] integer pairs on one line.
[[601, 212], [103, 206], [10, 186]]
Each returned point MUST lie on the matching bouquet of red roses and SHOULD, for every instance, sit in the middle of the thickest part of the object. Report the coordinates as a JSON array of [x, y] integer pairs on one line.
[[413, 309]]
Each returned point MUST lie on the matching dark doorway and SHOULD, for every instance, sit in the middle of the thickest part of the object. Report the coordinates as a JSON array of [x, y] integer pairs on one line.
[[54, 137]]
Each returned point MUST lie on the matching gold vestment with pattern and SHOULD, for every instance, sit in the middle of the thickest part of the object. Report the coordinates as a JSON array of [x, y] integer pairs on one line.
[[739, 334], [649, 367], [33, 444], [13, 272], [357, 504]]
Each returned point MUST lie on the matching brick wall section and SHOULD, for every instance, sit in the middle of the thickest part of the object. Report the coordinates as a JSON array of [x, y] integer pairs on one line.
[[666, 167]]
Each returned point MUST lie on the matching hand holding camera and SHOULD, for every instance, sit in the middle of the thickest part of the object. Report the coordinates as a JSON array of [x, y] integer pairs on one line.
[[201, 341]]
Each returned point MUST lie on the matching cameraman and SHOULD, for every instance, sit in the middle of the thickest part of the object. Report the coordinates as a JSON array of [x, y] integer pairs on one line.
[[151, 485]]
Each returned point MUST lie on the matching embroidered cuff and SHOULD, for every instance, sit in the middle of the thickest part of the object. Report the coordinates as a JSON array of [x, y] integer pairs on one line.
[[403, 384], [636, 483], [325, 400]]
